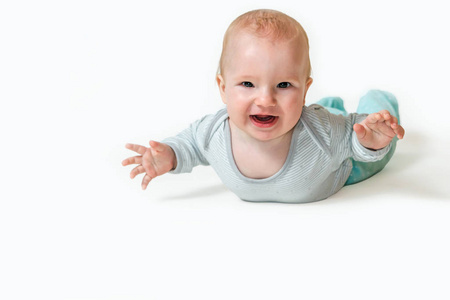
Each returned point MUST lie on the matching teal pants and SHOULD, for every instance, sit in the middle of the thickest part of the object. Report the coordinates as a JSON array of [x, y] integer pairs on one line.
[[372, 102]]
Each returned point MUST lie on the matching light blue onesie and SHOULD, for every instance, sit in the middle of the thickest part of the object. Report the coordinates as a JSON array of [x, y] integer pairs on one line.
[[324, 154]]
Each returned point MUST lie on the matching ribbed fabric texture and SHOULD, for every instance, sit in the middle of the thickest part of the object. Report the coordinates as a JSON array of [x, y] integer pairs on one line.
[[317, 166]]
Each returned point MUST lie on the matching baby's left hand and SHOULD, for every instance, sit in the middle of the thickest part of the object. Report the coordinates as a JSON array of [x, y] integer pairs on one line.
[[378, 129]]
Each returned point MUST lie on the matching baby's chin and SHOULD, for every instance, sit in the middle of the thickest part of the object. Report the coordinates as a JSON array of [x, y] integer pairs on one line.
[[269, 134]]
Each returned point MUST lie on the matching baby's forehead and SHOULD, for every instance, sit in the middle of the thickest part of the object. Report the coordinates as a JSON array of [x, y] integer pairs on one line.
[[246, 48], [245, 37]]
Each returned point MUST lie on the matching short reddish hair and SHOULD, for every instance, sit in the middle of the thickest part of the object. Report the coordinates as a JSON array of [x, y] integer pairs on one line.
[[265, 23]]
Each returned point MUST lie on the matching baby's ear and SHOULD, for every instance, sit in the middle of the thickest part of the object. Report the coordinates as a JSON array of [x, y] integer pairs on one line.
[[221, 85], [309, 81]]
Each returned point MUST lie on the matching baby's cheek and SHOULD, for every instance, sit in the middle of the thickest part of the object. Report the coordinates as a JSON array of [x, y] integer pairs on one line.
[[294, 111]]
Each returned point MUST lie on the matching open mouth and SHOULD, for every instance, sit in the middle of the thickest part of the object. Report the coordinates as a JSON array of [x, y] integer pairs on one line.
[[264, 120]]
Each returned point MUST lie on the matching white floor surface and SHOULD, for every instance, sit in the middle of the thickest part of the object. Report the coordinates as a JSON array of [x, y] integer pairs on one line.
[[79, 79]]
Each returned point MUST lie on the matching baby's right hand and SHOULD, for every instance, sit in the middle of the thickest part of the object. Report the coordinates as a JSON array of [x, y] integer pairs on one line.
[[155, 161]]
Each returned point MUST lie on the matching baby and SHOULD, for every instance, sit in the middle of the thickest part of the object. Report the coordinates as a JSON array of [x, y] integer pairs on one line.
[[266, 145]]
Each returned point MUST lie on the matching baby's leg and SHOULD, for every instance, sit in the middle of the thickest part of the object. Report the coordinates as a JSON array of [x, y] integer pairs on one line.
[[374, 101], [334, 105]]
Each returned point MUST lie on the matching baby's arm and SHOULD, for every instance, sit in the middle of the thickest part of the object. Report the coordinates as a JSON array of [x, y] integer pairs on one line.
[[378, 129], [155, 161]]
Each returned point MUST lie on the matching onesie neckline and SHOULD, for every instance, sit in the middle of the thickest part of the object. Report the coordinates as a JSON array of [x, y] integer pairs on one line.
[[286, 164]]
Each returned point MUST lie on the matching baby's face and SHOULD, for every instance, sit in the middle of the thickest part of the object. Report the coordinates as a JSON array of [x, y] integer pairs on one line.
[[264, 84]]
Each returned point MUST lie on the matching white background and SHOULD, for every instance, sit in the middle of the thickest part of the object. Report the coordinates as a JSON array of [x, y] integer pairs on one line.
[[79, 79]]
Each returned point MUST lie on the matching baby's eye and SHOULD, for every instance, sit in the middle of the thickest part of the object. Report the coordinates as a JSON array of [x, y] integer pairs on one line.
[[283, 85], [247, 84]]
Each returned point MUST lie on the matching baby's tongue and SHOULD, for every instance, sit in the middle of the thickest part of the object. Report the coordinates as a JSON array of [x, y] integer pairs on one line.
[[263, 118]]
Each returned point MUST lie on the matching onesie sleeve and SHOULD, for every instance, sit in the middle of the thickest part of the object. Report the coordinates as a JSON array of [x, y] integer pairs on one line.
[[344, 143], [187, 146]]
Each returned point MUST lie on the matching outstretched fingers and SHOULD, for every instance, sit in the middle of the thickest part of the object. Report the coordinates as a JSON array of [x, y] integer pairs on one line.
[[145, 181], [391, 121], [157, 146], [378, 129], [132, 160], [152, 161], [136, 148], [136, 171], [382, 116], [398, 130]]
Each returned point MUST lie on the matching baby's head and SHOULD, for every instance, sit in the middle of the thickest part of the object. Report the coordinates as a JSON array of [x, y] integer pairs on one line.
[[264, 73], [267, 24]]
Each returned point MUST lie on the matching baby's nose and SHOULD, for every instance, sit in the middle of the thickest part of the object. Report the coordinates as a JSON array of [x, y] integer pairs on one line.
[[265, 98]]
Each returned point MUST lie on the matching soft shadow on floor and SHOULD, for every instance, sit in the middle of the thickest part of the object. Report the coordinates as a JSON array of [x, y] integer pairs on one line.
[[201, 192], [415, 171]]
